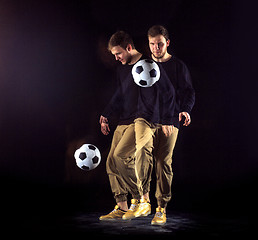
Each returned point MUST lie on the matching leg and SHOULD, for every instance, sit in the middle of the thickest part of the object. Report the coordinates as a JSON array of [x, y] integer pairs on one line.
[[122, 149], [124, 156], [144, 134], [163, 154], [117, 184]]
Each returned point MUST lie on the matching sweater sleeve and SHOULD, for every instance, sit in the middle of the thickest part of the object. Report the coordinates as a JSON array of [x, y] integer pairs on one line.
[[167, 100], [167, 114], [114, 106], [186, 91]]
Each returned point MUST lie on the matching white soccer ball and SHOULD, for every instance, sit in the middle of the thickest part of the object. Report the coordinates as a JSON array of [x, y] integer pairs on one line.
[[87, 157], [145, 73]]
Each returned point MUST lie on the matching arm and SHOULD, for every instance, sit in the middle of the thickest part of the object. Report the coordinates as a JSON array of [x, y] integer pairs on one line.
[[111, 110], [114, 106], [186, 94], [167, 105]]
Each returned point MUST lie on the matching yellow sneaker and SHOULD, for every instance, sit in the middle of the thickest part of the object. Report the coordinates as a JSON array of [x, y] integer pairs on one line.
[[160, 217], [144, 209], [130, 213], [116, 214]]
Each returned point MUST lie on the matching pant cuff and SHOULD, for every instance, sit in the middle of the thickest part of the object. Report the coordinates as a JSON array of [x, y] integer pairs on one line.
[[137, 196], [162, 203]]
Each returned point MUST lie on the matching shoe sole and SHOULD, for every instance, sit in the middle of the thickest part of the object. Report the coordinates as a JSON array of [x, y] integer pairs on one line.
[[128, 218], [110, 219], [159, 224]]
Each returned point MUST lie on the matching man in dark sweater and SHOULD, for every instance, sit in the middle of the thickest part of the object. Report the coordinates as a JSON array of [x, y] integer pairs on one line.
[[129, 163], [180, 77]]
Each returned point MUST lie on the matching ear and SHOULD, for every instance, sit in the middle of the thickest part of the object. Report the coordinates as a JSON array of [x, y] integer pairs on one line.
[[129, 48], [168, 42]]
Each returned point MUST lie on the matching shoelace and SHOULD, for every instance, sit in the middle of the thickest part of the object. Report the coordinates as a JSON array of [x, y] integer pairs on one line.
[[142, 205], [132, 207], [115, 210]]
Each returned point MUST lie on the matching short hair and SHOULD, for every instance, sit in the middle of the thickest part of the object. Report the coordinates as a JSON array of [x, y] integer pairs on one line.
[[158, 30], [120, 38]]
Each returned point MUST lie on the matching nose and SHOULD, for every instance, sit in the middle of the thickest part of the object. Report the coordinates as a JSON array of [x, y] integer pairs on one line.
[[116, 57], [156, 46]]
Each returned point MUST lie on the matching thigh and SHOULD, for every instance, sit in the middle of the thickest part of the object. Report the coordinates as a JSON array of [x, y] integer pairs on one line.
[[164, 146], [125, 149], [144, 134]]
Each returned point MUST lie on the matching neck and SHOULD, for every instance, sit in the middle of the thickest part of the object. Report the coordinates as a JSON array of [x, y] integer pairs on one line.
[[165, 58], [135, 57]]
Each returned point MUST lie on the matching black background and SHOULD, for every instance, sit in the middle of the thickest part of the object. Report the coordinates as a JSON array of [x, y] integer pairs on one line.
[[57, 76]]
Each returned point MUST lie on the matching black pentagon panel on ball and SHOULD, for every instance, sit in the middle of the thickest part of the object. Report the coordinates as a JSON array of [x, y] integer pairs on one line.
[[92, 147], [139, 69], [85, 168], [82, 155], [143, 82], [153, 73], [148, 61], [95, 160]]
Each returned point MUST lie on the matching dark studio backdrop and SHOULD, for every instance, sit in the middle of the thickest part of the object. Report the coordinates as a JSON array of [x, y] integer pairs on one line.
[[57, 76]]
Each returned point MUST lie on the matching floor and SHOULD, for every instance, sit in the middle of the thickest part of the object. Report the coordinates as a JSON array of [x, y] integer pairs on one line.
[[179, 225], [37, 212]]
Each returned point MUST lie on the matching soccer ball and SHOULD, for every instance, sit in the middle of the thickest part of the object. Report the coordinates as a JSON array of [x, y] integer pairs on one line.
[[145, 73], [87, 157]]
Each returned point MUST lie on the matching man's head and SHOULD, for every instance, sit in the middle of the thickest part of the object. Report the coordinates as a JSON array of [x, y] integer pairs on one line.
[[121, 45], [158, 41]]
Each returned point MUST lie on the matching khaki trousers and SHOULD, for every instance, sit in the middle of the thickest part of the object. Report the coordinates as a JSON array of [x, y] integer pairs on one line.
[[163, 151], [120, 163], [144, 138], [130, 161]]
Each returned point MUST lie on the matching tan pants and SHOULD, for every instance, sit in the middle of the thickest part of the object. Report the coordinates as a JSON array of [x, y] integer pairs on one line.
[[130, 161], [120, 163], [163, 151], [144, 138]]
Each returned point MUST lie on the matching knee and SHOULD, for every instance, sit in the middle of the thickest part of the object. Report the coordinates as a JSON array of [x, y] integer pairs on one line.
[[118, 154], [122, 154], [164, 163], [144, 150]]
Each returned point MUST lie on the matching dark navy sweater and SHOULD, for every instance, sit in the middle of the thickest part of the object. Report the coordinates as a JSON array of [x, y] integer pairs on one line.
[[179, 76], [156, 104]]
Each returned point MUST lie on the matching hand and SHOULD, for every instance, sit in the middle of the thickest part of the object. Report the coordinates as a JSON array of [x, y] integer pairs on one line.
[[187, 118], [167, 130], [104, 125]]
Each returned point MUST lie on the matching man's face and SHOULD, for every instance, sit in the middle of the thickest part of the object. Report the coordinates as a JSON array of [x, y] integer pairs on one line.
[[121, 54], [158, 45]]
